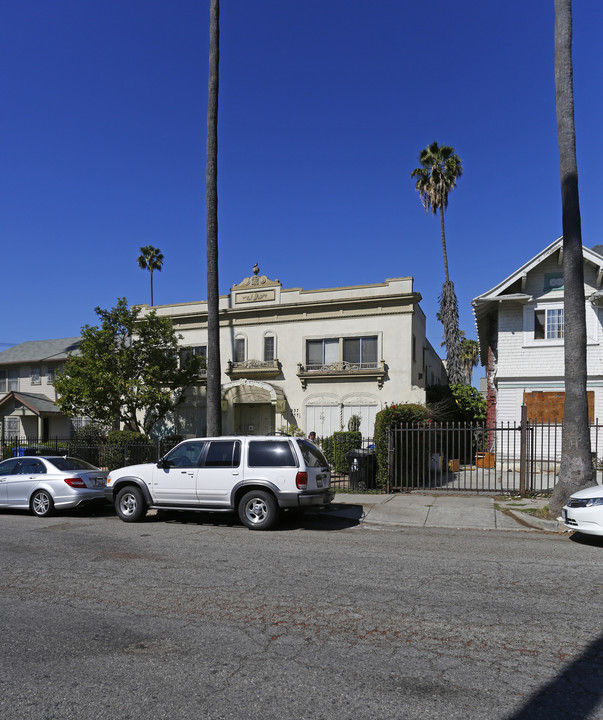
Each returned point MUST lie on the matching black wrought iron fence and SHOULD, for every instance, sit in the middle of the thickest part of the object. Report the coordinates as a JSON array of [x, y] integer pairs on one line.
[[102, 454], [511, 458]]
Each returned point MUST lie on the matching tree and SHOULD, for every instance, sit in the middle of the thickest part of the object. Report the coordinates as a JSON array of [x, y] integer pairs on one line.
[[128, 370], [576, 469], [469, 351], [214, 371], [150, 259], [440, 168]]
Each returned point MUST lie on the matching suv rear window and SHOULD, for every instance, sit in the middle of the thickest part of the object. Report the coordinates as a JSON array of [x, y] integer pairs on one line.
[[271, 453], [312, 455]]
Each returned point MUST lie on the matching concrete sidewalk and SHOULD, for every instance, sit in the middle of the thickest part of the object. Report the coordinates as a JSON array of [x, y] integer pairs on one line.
[[482, 512]]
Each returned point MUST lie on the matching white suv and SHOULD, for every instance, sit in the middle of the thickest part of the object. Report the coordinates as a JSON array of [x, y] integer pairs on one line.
[[254, 476]]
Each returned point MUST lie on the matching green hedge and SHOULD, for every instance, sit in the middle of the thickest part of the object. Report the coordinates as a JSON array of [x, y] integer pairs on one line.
[[337, 446], [397, 414], [125, 447]]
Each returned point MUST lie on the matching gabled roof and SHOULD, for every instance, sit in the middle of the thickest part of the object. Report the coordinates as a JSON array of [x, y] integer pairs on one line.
[[511, 289], [39, 351], [36, 402]]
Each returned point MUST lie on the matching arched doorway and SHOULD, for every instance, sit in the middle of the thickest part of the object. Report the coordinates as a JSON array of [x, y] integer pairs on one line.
[[252, 407]]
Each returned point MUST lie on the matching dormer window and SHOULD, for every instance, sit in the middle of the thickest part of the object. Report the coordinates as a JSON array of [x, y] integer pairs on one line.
[[553, 281]]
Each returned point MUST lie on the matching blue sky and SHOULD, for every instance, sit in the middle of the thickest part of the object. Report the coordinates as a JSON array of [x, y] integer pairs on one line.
[[324, 107]]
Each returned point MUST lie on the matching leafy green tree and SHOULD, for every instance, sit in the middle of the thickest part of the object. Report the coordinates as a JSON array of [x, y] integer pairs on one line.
[[150, 259], [576, 469], [127, 370], [456, 403], [440, 169], [214, 371]]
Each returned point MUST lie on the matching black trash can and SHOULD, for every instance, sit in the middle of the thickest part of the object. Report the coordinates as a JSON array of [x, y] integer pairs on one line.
[[363, 468]]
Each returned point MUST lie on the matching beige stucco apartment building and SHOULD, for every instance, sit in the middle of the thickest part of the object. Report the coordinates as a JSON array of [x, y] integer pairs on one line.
[[308, 358]]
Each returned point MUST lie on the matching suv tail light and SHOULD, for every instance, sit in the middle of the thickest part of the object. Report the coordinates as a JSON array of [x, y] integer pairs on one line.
[[301, 480], [75, 482]]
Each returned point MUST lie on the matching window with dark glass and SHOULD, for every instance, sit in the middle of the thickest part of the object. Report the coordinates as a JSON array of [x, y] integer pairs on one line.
[[239, 350], [271, 453], [322, 352], [360, 351], [269, 348], [223, 453], [185, 455]]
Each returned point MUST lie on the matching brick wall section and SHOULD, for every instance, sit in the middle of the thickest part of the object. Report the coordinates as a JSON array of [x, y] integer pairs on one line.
[[491, 395]]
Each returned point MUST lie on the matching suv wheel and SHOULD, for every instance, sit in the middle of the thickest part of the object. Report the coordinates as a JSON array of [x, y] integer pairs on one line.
[[130, 504], [258, 510]]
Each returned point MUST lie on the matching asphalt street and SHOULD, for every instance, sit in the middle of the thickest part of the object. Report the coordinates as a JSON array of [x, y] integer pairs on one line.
[[196, 616]]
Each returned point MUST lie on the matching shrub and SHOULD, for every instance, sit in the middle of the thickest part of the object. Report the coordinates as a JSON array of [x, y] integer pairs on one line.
[[456, 403], [354, 423], [126, 447], [397, 414], [337, 446], [87, 443]]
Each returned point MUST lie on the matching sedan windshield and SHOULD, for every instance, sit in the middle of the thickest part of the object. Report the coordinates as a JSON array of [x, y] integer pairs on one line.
[[69, 463]]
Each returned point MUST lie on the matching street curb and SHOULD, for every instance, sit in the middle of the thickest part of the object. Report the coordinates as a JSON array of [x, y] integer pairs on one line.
[[536, 523]]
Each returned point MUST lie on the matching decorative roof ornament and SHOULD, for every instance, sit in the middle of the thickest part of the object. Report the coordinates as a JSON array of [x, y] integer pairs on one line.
[[256, 281]]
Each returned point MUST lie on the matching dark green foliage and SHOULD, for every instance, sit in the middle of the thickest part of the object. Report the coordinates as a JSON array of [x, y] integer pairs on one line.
[[87, 443], [456, 404], [337, 446], [126, 447], [399, 414], [127, 370]]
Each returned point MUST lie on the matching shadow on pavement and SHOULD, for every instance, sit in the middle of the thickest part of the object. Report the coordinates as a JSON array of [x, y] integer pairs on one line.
[[575, 693], [338, 517], [593, 540]]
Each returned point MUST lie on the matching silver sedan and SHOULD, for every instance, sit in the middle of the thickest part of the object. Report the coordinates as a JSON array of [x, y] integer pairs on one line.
[[42, 484]]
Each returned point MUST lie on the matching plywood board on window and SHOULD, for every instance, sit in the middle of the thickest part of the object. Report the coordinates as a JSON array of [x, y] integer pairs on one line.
[[548, 406]]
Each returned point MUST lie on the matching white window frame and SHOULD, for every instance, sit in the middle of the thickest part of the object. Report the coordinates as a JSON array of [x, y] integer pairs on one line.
[[339, 343], [35, 375], [529, 325]]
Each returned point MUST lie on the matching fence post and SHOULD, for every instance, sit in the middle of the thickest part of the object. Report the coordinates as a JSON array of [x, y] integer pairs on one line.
[[390, 453], [523, 450]]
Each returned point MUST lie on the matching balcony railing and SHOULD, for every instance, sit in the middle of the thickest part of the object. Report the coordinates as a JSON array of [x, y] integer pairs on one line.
[[338, 370], [254, 369]]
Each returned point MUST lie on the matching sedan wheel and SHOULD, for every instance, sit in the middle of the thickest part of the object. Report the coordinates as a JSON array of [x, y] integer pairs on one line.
[[41, 503], [258, 510]]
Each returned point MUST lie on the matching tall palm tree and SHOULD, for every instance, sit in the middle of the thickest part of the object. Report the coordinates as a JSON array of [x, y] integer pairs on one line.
[[440, 168], [469, 356], [214, 409], [150, 259], [576, 465]]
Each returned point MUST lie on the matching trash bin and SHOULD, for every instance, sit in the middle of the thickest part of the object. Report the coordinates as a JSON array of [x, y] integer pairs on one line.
[[363, 468]]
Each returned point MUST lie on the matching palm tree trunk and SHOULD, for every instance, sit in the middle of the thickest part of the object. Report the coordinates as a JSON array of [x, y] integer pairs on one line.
[[151, 274], [214, 411], [444, 253], [576, 465]]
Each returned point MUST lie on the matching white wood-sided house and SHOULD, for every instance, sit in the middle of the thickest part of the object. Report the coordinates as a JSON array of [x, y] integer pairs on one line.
[[520, 328]]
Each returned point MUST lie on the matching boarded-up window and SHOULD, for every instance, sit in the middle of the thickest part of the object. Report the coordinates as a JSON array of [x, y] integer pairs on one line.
[[548, 406]]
